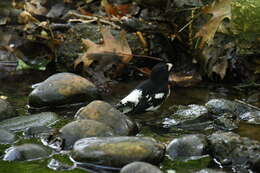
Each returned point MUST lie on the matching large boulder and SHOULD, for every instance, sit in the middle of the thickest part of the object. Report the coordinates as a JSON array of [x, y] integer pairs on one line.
[[107, 114], [63, 88], [117, 151]]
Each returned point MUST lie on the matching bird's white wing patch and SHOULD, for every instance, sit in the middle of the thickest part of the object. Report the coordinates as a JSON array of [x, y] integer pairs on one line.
[[159, 95], [152, 108], [133, 97]]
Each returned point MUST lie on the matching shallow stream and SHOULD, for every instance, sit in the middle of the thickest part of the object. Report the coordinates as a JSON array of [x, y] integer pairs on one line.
[[152, 124]]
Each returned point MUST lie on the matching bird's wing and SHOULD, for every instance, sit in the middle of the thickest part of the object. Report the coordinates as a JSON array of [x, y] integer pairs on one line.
[[128, 103]]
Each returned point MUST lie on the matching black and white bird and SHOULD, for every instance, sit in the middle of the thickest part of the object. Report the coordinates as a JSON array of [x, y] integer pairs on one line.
[[150, 94]]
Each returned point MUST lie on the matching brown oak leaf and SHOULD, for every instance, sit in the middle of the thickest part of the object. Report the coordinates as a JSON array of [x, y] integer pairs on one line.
[[220, 9]]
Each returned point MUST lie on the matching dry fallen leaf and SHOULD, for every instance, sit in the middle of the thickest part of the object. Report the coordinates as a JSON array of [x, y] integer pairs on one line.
[[220, 9], [111, 52]]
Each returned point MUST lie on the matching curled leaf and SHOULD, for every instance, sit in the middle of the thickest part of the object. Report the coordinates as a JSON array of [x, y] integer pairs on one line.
[[220, 9]]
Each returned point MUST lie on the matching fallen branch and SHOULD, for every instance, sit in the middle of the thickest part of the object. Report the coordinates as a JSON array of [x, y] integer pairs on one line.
[[244, 103]]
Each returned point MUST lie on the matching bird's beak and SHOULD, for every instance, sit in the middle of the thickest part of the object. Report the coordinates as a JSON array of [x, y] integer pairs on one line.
[[169, 66]]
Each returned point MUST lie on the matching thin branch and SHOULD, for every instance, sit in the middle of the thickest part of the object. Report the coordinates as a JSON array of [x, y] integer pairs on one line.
[[244, 103]]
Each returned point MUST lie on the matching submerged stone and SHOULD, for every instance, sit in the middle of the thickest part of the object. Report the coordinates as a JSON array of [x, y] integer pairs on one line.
[[187, 147], [26, 152], [79, 129], [231, 150], [23, 122], [227, 122], [6, 110], [251, 117], [220, 106], [184, 114], [37, 131], [6, 137], [140, 167], [117, 151], [107, 114], [63, 88]]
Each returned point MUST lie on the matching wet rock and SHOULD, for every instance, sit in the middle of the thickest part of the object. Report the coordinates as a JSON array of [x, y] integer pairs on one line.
[[186, 113], [220, 106], [187, 147], [107, 114], [61, 89], [227, 121], [140, 167], [37, 131], [251, 117], [23, 122], [117, 151], [231, 150], [210, 171], [79, 129], [6, 137], [26, 152], [6, 110]]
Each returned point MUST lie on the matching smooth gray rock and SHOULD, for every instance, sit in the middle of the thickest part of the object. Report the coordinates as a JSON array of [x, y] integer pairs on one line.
[[117, 151], [6, 110], [140, 167], [6, 137], [187, 147], [63, 88], [79, 129], [231, 150], [26, 152], [107, 114], [22, 122]]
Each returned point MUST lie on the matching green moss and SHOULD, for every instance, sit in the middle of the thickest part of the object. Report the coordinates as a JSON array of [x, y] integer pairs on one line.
[[186, 166], [39, 166]]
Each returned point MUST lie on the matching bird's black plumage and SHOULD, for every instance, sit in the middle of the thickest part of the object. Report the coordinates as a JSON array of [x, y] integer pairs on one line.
[[150, 94]]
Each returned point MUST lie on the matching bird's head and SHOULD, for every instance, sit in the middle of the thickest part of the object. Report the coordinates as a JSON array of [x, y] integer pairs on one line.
[[161, 72]]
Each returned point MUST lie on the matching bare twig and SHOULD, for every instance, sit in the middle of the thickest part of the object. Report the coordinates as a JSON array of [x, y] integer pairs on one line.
[[244, 103], [89, 19]]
